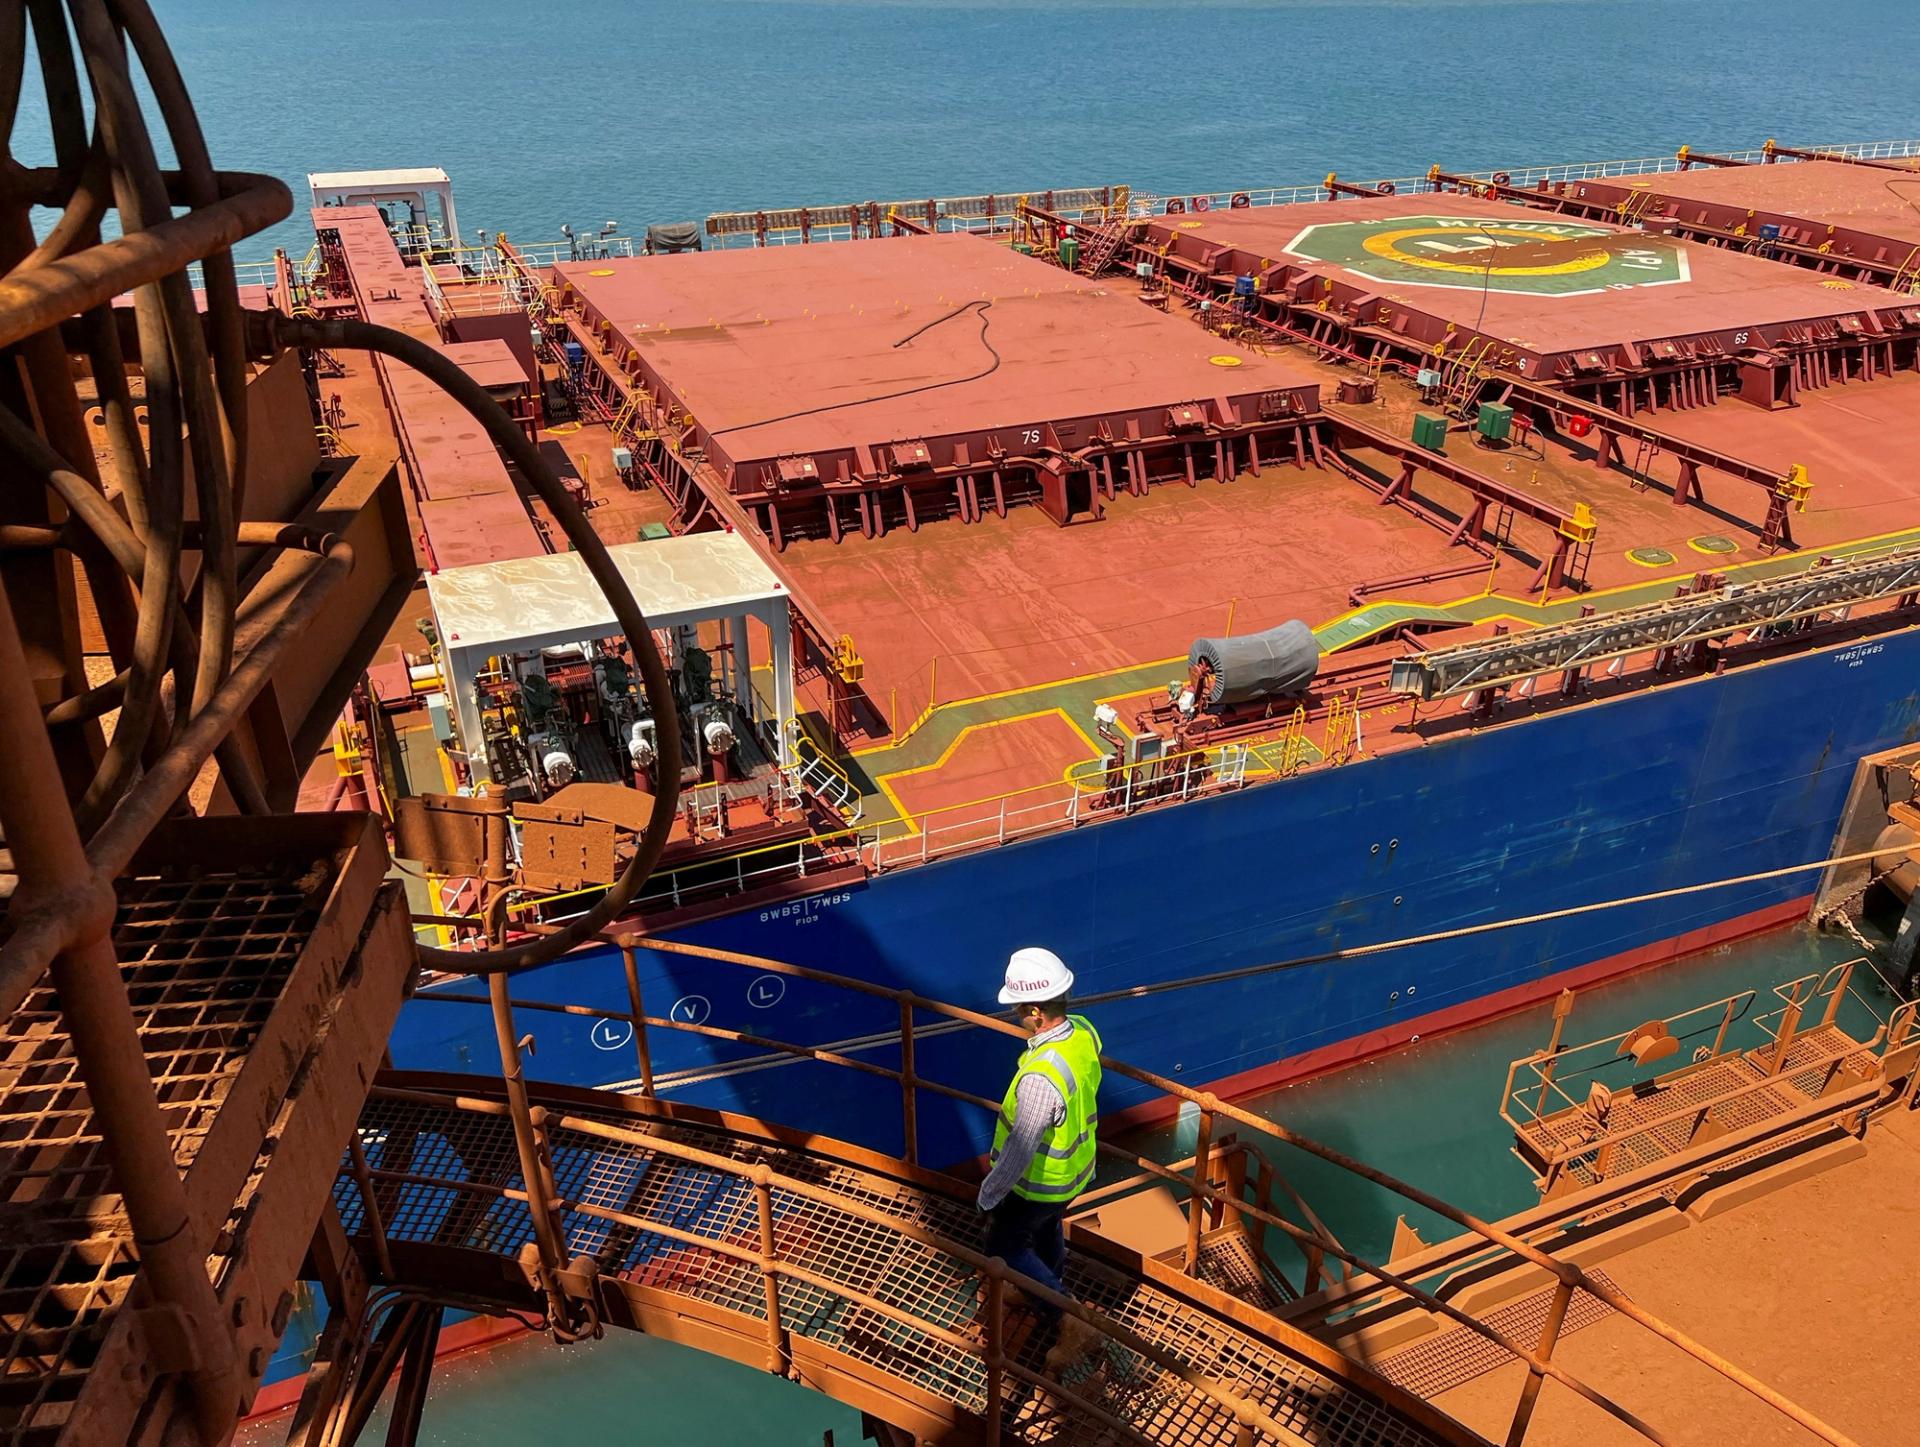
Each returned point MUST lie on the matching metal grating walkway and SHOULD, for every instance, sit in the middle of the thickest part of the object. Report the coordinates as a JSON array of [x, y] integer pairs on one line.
[[236, 967], [1638, 1135], [1450, 1358], [444, 1176]]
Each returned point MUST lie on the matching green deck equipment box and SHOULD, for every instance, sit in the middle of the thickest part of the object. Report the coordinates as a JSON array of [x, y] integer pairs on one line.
[[1430, 431], [1496, 421]]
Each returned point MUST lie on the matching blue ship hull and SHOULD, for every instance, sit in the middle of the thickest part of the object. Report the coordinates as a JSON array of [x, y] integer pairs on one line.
[[1682, 784]]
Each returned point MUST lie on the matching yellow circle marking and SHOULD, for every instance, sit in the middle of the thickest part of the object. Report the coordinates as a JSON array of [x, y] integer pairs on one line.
[[1713, 545], [1387, 245], [565, 429], [1651, 557], [1191, 225], [1223, 360], [1837, 285], [601, 271]]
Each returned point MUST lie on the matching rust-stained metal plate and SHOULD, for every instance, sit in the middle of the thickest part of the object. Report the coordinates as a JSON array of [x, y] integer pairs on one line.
[[444, 832], [566, 852], [615, 803]]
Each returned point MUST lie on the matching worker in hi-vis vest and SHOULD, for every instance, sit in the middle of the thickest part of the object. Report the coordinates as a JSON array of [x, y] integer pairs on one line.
[[1043, 1144]]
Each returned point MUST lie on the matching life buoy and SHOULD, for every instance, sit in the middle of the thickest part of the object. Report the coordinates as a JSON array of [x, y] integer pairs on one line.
[[1202, 203], [1241, 201], [1385, 188], [1579, 424], [1176, 207], [1502, 178]]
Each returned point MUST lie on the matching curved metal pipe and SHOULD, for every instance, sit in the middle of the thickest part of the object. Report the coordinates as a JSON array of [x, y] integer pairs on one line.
[[278, 331]]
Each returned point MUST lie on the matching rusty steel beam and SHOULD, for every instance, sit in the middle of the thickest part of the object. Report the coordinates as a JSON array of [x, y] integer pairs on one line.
[[56, 876]]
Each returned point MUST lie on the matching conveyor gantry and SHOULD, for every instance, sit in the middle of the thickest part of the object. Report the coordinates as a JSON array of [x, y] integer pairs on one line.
[[1671, 623]]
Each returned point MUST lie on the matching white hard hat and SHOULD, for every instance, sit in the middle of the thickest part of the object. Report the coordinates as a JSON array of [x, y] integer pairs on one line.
[[1035, 974]]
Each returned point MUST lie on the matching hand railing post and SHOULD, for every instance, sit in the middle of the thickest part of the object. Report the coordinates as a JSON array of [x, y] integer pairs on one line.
[[1838, 992], [1202, 1168], [640, 1043], [1726, 1023], [996, 1304], [370, 1206], [546, 1234], [1236, 1187], [909, 1101], [1316, 1263], [769, 1275], [1530, 1389], [1789, 1027]]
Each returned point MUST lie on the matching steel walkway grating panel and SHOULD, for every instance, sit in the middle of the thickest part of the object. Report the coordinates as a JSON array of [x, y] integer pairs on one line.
[[1450, 1358], [1230, 1261], [206, 952], [1566, 1132], [448, 1176]]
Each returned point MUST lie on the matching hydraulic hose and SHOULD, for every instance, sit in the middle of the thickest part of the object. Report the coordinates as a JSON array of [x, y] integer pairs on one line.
[[272, 332]]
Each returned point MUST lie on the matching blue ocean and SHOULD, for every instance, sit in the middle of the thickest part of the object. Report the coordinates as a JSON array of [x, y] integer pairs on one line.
[[639, 111]]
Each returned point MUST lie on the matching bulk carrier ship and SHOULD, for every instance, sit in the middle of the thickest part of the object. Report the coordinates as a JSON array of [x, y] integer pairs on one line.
[[1205, 587]]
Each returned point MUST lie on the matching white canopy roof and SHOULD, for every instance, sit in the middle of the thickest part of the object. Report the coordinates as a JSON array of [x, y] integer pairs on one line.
[[374, 180], [525, 603]]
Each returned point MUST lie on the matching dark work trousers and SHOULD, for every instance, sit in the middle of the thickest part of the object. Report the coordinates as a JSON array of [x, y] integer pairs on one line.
[[1027, 1236]]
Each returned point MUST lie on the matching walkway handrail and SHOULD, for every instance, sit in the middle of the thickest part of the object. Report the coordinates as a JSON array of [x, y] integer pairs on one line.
[[769, 1259], [1567, 1276]]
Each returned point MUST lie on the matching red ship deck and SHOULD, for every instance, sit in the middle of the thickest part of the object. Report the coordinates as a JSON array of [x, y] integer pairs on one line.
[[832, 352], [1868, 211], [987, 644], [1017, 602], [1557, 287]]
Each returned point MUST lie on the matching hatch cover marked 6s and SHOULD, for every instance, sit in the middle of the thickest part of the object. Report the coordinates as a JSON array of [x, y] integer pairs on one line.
[[1531, 258]]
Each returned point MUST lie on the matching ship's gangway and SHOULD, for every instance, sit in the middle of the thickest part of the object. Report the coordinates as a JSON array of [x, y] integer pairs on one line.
[[863, 1275], [855, 1274]]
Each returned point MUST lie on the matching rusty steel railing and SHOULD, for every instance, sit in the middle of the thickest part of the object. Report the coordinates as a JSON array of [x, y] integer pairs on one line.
[[786, 1260], [1313, 1242], [1565, 1132]]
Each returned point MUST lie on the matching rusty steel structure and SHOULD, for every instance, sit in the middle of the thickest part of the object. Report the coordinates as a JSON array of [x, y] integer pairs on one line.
[[859, 1274]]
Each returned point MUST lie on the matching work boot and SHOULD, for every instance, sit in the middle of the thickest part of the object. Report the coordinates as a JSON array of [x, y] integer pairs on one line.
[[1077, 1341]]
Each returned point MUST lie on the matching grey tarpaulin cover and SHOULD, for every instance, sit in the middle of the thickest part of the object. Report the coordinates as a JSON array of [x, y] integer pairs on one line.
[[1260, 665], [674, 236]]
